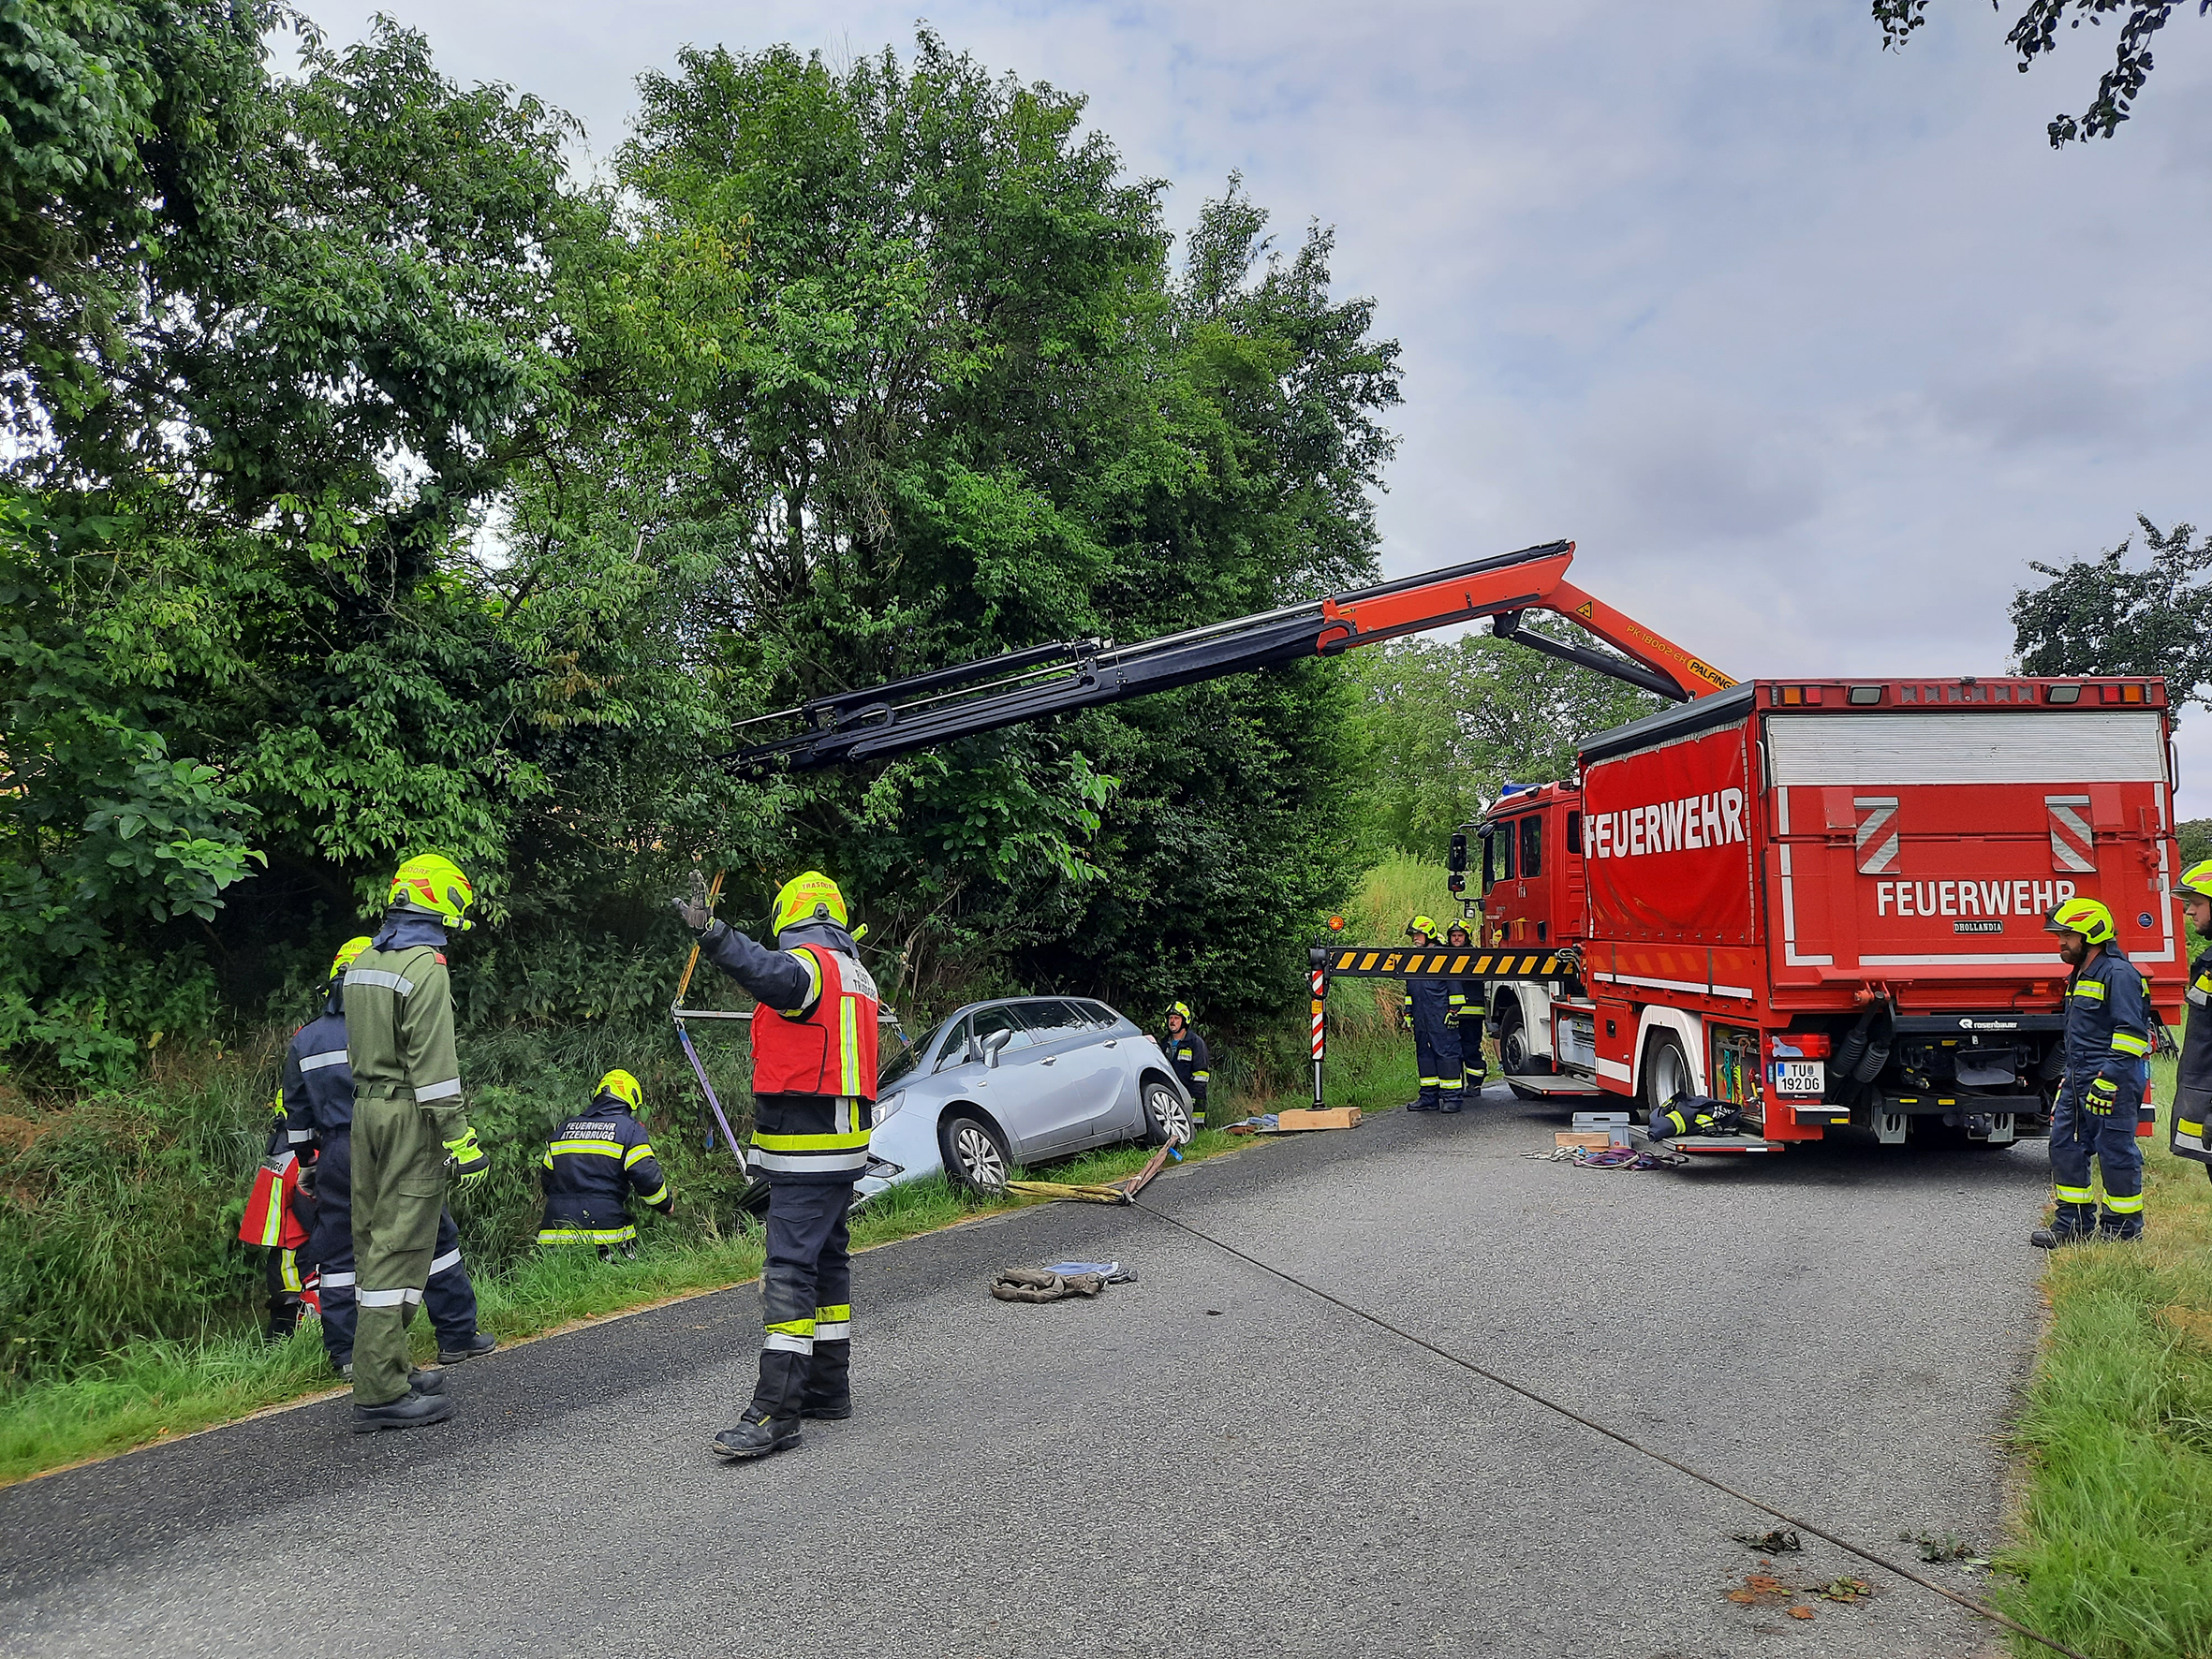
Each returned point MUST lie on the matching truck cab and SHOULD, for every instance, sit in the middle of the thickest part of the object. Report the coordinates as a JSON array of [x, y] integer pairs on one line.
[[1533, 894]]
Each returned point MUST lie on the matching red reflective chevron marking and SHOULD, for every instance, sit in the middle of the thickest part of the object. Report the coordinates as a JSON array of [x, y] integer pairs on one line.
[[2074, 843], [1878, 833]]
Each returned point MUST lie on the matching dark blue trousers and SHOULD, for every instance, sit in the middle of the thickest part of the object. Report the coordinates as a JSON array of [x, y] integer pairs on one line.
[[806, 1296], [2078, 1135], [449, 1298]]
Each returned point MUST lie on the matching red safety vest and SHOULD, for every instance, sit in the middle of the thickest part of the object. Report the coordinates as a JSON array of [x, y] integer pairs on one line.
[[268, 1218], [828, 1050]]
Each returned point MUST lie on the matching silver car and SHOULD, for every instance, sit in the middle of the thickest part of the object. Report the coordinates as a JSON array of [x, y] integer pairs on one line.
[[1020, 1082]]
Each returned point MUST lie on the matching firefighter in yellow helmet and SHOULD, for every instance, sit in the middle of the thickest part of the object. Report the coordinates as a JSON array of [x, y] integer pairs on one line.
[[1187, 1053], [2107, 1068], [814, 1098], [318, 1114], [411, 1133], [2192, 1091], [594, 1163], [1429, 1009]]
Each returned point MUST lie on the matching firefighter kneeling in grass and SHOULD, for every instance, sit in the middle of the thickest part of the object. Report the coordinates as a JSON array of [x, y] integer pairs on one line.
[[814, 1095], [593, 1166], [2107, 1068], [2192, 1092]]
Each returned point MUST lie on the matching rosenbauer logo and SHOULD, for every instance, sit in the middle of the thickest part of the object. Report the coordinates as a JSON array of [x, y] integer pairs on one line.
[[1687, 825]]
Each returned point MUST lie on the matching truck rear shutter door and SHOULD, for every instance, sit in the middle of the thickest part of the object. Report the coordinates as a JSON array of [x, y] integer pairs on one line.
[[1966, 748]]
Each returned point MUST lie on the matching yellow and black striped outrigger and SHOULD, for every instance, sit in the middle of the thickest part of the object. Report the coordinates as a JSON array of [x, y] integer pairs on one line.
[[1375, 961]]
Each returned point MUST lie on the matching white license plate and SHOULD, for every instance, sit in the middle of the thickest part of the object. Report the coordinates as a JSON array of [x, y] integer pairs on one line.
[[1801, 1076]]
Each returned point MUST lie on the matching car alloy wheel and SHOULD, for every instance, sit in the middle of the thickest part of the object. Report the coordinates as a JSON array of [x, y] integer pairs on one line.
[[1169, 1121], [979, 1163]]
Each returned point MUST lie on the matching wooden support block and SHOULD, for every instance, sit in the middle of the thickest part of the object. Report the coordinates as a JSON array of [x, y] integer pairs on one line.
[[1337, 1117], [1595, 1140]]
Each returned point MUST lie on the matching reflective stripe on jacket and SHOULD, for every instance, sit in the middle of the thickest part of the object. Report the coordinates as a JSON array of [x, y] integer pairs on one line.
[[2107, 1026], [399, 1023], [827, 1045], [1191, 1059], [591, 1168], [317, 1078], [2192, 1089]]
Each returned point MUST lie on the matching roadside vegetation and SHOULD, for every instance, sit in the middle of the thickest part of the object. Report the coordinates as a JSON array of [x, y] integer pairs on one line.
[[135, 1313], [2114, 1551]]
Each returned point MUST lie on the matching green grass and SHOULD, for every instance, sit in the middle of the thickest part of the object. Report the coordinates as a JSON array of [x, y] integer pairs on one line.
[[2114, 1549], [157, 1389]]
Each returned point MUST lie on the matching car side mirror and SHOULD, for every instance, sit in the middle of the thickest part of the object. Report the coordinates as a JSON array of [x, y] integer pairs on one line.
[[992, 1044]]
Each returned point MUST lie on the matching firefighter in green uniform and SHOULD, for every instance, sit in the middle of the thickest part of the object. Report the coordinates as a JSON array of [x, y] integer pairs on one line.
[[409, 1133], [2192, 1093]]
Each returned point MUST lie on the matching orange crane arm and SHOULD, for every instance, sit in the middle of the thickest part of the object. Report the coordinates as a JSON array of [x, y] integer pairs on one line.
[[1022, 685]]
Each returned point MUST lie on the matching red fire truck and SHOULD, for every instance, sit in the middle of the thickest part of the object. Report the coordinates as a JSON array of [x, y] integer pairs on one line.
[[1823, 901]]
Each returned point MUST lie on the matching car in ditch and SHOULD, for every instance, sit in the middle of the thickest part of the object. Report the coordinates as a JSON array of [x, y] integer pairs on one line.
[[1020, 1080]]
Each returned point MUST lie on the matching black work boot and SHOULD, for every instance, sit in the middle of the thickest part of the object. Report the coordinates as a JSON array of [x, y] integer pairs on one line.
[[829, 1383], [756, 1436], [284, 1319], [2051, 1237], [426, 1382], [475, 1346], [411, 1410]]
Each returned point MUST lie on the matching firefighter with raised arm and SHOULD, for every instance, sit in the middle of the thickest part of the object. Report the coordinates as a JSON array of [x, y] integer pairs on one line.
[[1430, 1010], [2192, 1092], [2107, 1068], [594, 1163], [1186, 1052], [410, 1134], [814, 1096]]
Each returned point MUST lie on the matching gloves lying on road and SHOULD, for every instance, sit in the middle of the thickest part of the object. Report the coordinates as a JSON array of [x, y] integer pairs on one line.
[[2102, 1096], [471, 1163], [1030, 1285]]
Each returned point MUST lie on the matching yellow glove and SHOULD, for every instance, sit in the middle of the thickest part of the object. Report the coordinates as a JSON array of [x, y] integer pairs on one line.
[[470, 1162], [2101, 1096]]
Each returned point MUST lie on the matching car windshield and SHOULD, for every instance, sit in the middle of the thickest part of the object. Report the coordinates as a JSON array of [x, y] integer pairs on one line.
[[897, 1070]]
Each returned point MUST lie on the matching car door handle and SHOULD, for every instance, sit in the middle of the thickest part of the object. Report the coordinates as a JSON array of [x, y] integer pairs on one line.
[[1111, 1042], [1054, 1060]]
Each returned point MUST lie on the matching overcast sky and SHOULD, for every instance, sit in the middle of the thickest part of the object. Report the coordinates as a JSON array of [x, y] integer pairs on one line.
[[1809, 347]]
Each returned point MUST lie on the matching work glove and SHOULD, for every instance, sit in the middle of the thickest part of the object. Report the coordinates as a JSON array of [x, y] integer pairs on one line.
[[693, 907], [470, 1162], [2101, 1096]]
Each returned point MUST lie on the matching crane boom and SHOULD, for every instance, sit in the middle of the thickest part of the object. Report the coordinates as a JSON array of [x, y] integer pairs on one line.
[[883, 721]]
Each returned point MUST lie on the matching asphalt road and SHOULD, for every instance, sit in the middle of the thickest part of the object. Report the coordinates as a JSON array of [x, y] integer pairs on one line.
[[1208, 1462]]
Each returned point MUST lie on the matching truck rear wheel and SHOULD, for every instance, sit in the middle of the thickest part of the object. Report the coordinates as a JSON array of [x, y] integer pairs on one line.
[[1513, 1049], [1666, 1071]]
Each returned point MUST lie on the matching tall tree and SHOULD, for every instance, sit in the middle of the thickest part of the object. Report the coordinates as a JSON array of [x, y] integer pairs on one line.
[[2107, 616], [2035, 31], [1445, 725], [940, 396]]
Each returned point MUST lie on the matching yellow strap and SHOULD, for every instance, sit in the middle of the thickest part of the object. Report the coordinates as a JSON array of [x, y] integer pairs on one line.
[[603, 1149]]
